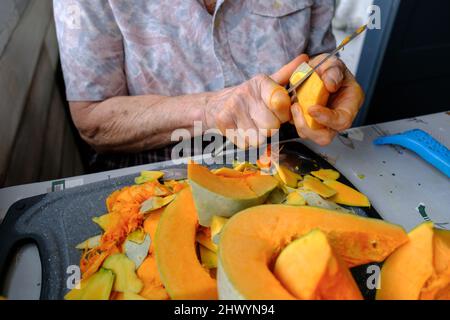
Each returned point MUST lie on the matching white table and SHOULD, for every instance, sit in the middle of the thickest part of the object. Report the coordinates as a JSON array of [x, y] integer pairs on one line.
[[397, 182]]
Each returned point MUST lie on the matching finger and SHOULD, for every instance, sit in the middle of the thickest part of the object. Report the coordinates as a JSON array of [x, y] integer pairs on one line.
[[343, 105], [283, 75], [276, 98], [248, 131], [225, 121], [332, 72], [322, 137], [264, 119], [338, 119]]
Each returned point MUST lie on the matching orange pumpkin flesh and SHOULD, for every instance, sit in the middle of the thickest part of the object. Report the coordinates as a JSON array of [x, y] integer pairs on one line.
[[181, 272], [151, 224], [309, 268], [313, 92], [346, 195], [153, 288], [406, 271], [438, 286], [442, 251], [251, 240], [315, 185]]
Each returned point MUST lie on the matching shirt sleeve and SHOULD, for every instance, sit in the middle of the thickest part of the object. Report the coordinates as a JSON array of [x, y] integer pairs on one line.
[[321, 35], [91, 50]]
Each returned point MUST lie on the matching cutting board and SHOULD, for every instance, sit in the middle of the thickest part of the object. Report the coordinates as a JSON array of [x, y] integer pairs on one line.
[[56, 222]]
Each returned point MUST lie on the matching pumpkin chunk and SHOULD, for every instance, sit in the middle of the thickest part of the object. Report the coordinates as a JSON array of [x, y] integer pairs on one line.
[[310, 269], [312, 92], [406, 271]]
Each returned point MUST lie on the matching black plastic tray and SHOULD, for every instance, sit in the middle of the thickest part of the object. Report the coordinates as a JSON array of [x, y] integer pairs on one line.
[[57, 221]]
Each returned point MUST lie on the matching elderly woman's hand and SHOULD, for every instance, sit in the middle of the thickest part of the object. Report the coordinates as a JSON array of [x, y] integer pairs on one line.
[[345, 101]]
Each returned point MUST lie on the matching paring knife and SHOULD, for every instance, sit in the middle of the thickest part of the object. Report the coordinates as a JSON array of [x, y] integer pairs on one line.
[[347, 40]]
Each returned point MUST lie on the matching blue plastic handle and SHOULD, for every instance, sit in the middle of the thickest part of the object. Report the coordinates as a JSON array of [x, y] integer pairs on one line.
[[424, 145]]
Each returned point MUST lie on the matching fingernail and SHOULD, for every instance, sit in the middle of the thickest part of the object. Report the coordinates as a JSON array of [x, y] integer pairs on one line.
[[279, 98]]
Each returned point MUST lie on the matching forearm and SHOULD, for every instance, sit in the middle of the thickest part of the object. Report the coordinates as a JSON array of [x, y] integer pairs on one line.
[[132, 124]]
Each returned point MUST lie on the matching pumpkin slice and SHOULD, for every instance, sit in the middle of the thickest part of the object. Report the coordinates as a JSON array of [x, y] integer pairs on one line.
[[311, 93], [181, 272], [220, 196], [151, 224], [295, 199], [346, 195], [124, 270], [244, 270], [288, 177], [310, 270], [315, 185], [326, 174], [438, 286], [406, 271], [96, 287]]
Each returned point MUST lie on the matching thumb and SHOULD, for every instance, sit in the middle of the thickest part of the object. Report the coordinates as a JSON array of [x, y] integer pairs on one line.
[[283, 75]]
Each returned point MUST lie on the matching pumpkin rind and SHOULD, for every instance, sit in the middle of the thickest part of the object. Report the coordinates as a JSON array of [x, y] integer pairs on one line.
[[221, 196]]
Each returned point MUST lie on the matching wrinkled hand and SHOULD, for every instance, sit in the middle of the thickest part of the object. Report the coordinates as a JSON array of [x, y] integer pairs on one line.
[[248, 113], [346, 99]]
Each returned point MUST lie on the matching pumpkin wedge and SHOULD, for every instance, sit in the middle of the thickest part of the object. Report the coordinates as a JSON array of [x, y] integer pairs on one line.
[[222, 196], [420, 269], [181, 271], [346, 195], [315, 185], [310, 269], [326, 174], [407, 270], [251, 240]]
